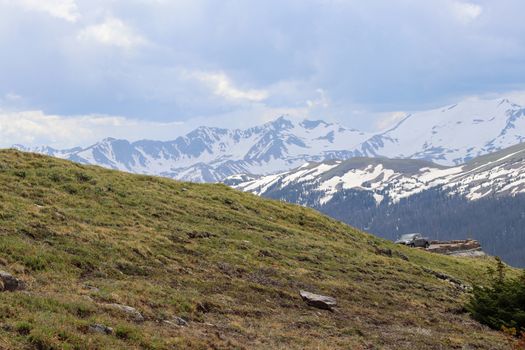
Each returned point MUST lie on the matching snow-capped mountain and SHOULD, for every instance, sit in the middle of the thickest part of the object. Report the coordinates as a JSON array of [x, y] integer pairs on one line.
[[390, 180], [446, 136], [211, 154], [452, 134]]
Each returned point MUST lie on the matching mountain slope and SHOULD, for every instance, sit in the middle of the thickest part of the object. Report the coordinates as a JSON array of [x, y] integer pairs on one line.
[[229, 263], [395, 196], [452, 134]]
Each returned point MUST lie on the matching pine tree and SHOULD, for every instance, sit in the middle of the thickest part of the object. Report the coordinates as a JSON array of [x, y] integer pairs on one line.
[[501, 305]]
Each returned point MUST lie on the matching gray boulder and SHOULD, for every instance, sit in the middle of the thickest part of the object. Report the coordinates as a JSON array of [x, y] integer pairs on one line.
[[10, 283], [318, 301]]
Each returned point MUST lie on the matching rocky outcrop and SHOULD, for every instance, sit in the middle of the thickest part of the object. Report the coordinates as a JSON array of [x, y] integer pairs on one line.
[[318, 301], [467, 247]]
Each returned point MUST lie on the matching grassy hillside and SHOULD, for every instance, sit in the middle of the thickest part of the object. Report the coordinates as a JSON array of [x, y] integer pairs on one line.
[[229, 263]]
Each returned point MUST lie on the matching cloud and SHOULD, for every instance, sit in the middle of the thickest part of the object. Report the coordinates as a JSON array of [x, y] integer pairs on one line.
[[63, 9], [112, 32], [321, 101], [223, 86], [12, 97], [367, 56], [466, 12], [34, 128]]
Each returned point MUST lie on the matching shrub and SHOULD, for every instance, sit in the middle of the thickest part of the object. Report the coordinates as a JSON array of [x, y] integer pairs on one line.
[[502, 304], [21, 174], [126, 333], [35, 263], [83, 177], [23, 328]]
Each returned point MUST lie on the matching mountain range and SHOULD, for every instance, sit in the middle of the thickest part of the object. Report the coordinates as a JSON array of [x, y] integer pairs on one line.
[[450, 135], [499, 174]]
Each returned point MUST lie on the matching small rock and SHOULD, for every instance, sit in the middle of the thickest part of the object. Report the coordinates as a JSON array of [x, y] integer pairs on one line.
[[197, 234], [177, 321], [384, 251], [10, 283], [59, 216], [91, 288], [454, 281], [402, 256], [318, 301], [180, 321], [131, 311], [100, 328]]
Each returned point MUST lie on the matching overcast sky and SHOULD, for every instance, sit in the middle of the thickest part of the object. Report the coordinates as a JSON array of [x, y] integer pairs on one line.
[[74, 71]]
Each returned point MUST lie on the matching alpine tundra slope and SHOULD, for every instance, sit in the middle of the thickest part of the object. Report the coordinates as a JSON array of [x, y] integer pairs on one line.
[[108, 260]]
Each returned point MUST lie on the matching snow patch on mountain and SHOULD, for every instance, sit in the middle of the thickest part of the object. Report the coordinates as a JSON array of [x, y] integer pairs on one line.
[[453, 134], [501, 173]]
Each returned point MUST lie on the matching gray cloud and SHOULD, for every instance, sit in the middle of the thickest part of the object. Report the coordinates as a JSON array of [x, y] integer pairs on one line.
[[162, 60]]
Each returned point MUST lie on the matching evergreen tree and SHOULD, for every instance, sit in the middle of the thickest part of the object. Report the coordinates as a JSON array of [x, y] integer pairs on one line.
[[501, 305]]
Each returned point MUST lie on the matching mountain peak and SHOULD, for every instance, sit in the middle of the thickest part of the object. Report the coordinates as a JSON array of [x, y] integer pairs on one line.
[[312, 124], [282, 123]]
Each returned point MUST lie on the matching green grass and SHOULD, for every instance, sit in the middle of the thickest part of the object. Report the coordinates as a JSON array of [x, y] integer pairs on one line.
[[229, 263]]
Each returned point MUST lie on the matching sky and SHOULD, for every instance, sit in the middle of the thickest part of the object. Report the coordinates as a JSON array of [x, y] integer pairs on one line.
[[75, 71]]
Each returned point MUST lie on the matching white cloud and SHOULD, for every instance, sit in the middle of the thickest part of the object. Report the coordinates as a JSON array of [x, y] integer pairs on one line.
[[63, 9], [35, 128], [112, 32], [12, 97], [322, 101], [224, 87], [388, 120], [466, 12]]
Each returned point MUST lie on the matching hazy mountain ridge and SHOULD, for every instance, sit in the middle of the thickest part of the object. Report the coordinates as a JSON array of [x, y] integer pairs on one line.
[[211, 154], [449, 136]]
